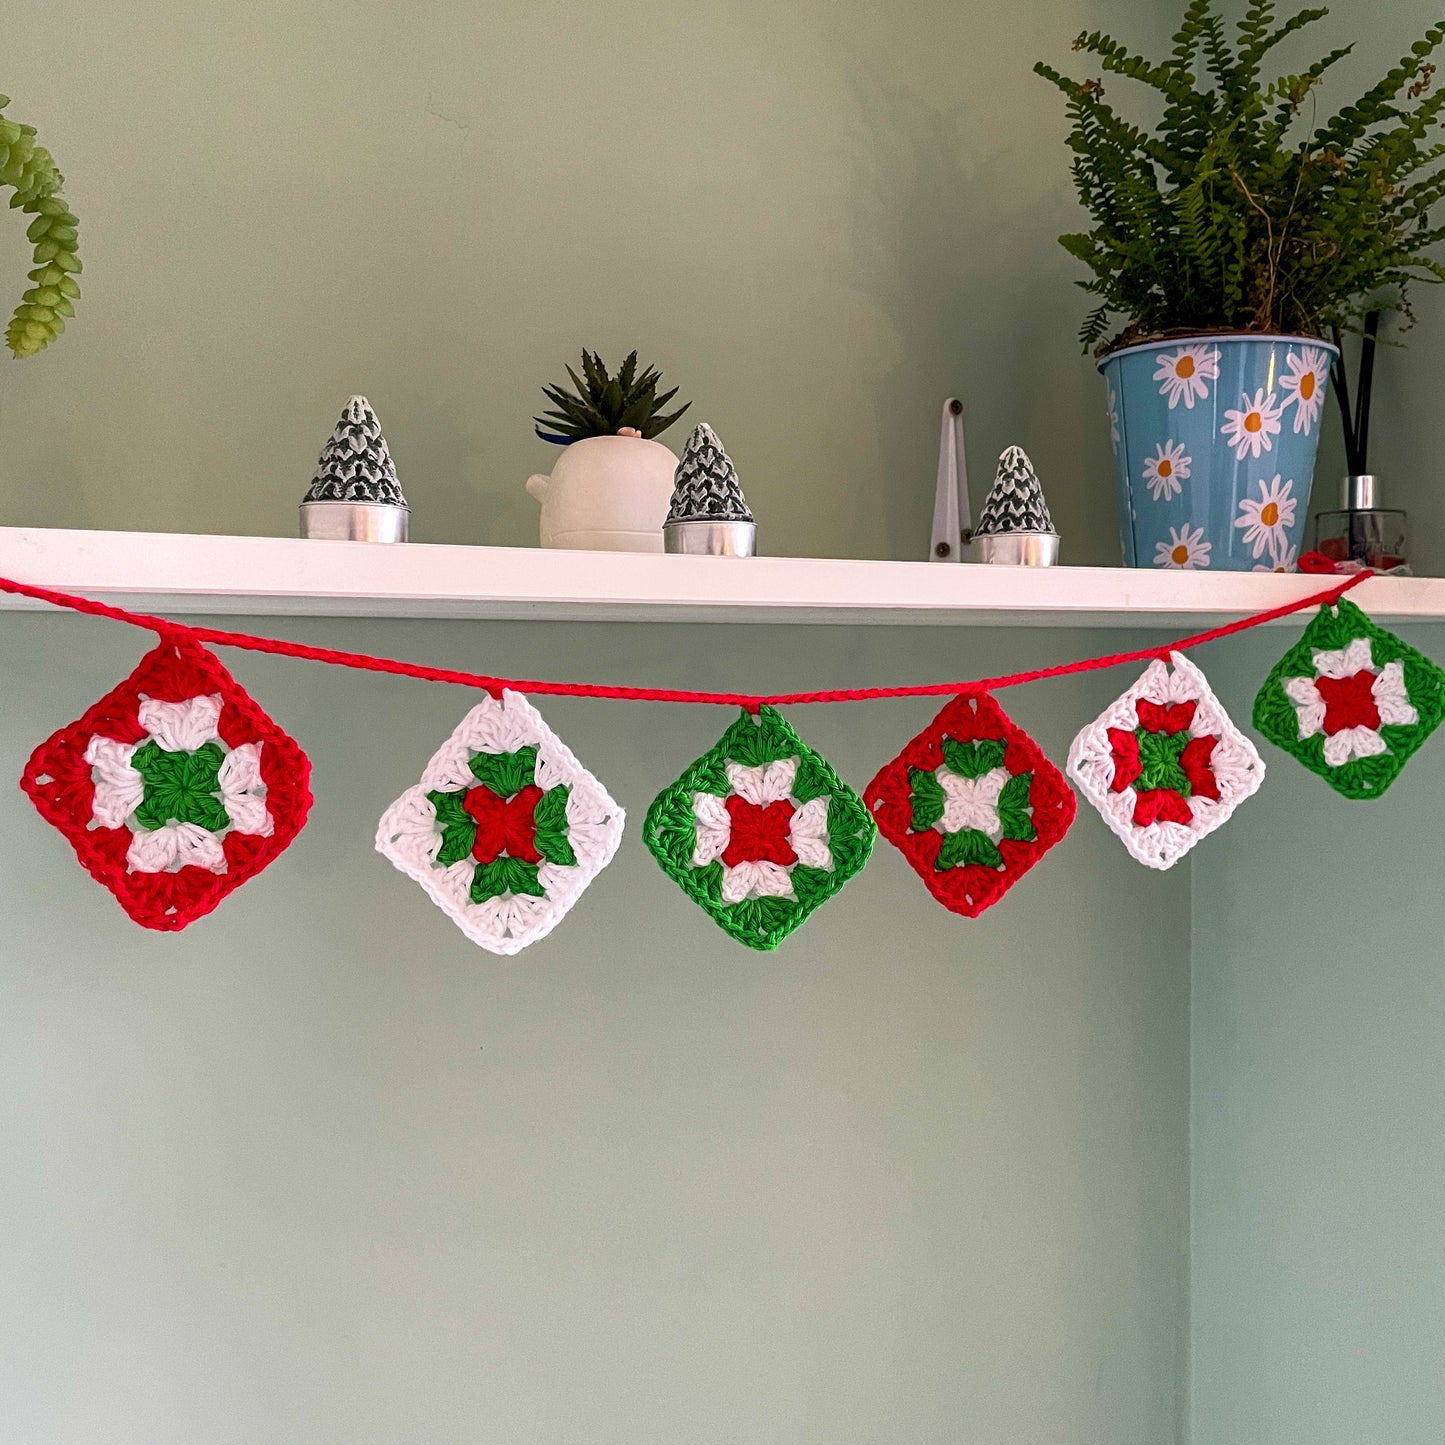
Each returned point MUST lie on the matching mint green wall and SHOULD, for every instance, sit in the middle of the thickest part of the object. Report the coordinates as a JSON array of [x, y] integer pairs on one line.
[[1317, 1013], [1317, 1099], [319, 1170], [819, 219]]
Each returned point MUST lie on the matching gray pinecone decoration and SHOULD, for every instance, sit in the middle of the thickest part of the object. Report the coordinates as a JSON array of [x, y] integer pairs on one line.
[[706, 487], [1016, 501], [355, 465]]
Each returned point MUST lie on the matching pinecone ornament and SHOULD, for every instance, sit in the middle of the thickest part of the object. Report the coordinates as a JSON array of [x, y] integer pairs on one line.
[[707, 488], [1016, 501], [709, 516], [355, 495]]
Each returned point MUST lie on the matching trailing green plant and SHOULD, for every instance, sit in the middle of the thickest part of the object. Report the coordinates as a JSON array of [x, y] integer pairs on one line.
[[602, 405], [1238, 211], [31, 172]]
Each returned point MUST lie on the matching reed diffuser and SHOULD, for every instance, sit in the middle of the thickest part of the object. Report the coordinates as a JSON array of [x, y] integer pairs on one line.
[[1362, 532]]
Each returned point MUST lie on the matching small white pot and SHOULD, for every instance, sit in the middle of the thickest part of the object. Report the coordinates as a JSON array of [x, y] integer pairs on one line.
[[607, 494]]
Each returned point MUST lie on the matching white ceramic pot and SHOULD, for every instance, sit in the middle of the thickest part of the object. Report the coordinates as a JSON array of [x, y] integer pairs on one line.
[[607, 494]]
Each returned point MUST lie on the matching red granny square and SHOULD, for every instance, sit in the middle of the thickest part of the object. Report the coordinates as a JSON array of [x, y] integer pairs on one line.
[[972, 803], [174, 789]]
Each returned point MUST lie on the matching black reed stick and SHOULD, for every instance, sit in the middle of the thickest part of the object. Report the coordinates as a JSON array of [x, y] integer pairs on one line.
[[1362, 400], [1340, 380]]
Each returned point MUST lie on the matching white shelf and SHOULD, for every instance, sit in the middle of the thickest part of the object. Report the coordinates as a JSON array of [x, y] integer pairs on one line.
[[284, 576]]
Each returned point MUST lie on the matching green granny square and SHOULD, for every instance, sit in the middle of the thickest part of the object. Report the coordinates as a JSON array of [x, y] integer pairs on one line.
[[1351, 701], [760, 830]]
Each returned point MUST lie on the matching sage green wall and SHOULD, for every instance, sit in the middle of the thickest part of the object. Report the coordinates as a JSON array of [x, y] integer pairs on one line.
[[1318, 1092], [320, 1171], [1317, 1087], [819, 218]]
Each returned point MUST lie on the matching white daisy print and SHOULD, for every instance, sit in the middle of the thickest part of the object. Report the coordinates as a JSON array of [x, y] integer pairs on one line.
[[1249, 430], [1186, 549], [1264, 518], [1186, 374], [1288, 562], [1114, 418], [1304, 385], [1166, 471]]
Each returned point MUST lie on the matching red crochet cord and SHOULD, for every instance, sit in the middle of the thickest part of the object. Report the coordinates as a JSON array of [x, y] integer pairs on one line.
[[750, 701]]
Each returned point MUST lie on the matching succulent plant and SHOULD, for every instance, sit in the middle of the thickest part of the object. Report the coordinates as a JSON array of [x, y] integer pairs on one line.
[[31, 172], [602, 405]]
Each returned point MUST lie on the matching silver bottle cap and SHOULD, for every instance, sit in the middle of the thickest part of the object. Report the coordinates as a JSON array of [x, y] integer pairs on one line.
[[1360, 494]]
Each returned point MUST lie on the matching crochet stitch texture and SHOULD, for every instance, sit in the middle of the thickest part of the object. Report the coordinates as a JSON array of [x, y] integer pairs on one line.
[[972, 803], [174, 789], [760, 831], [506, 829], [1351, 701], [1164, 764]]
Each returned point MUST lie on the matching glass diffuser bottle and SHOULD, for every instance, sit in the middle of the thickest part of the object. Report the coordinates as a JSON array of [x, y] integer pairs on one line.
[[1362, 530], [1362, 533]]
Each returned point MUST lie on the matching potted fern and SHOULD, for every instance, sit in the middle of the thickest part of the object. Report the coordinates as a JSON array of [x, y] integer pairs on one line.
[[610, 489], [1226, 243]]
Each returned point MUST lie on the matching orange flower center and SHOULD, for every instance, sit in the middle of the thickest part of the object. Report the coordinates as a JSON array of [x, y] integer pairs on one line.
[[1180, 555], [1269, 514], [1253, 421], [1184, 367], [1165, 467], [1307, 386]]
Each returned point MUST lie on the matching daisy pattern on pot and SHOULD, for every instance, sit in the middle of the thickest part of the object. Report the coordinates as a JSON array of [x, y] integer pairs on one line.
[[1304, 381], [1265, 518], [1349, 700], [1186, 549], [1113, 418], [1166, 471], [1249, 430], [1288, 561], [1185, 376]]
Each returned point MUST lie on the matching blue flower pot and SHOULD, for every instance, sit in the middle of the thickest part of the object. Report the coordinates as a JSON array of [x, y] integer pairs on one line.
[[1214, 448]]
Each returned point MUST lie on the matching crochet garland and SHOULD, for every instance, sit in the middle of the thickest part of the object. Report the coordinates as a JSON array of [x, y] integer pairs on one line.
[[175, 788]]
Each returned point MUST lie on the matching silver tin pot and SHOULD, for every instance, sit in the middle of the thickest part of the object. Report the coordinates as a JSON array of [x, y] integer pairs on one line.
[[354, 521], [1016, 549], [710, 538]]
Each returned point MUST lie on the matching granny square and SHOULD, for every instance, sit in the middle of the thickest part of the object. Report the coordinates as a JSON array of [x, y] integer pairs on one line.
[[760, 830], [174, 789], [972, 804]]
